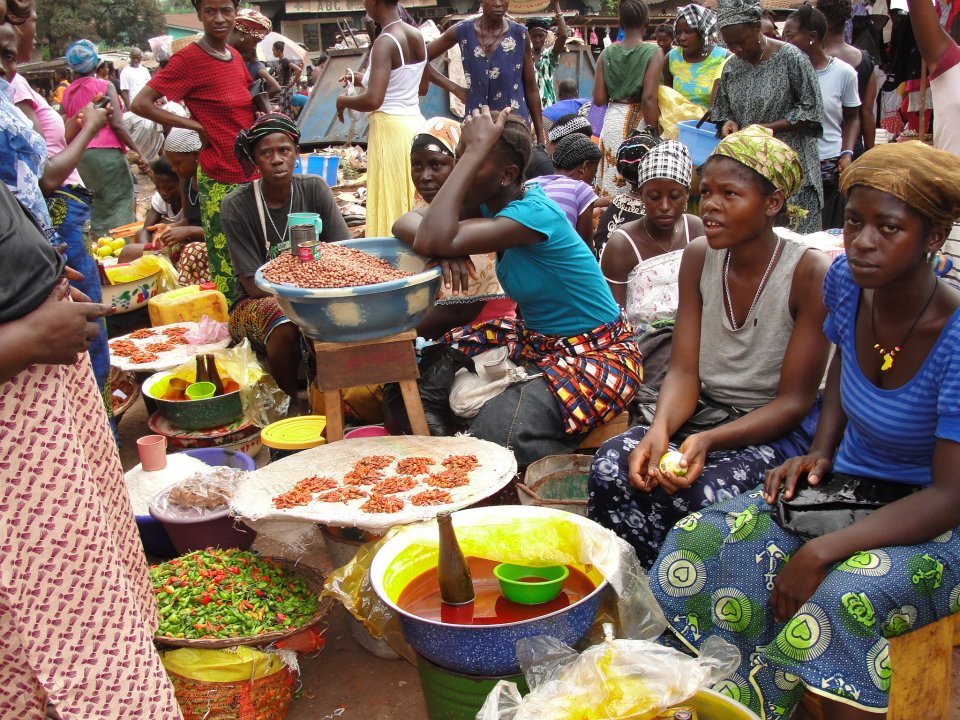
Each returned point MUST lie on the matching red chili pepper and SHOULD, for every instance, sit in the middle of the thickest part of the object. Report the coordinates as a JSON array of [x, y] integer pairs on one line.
[[281, 617], [205, 600], [234, 569]]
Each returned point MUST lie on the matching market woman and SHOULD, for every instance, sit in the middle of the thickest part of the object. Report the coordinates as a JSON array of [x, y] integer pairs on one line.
[[628, 75], [76, 603], [821, 610], [771, 83], [633, 259], [392, 83], [747, 357], [497, 63], [571, 329], [627, 206], [103, 165], [693, 68], [477, 298], [255, 221], [211, 79]]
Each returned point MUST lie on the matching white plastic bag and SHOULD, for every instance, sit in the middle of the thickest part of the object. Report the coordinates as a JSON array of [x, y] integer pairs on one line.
[[495, 373]]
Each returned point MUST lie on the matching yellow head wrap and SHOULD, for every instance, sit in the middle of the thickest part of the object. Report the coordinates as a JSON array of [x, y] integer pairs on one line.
[[757, 148], [926, 179]]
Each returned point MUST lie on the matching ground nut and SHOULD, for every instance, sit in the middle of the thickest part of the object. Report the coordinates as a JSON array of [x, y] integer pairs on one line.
[[337, 267]]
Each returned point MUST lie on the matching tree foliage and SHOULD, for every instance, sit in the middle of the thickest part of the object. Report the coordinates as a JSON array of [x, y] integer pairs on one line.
[[115, 23]]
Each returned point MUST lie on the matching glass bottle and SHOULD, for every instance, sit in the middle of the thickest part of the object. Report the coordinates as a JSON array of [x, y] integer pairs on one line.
[[453, 572], [201, 370], [213, 375]]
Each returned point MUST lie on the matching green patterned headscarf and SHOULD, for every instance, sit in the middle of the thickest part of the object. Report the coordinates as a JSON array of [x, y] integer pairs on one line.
[[757, 148]]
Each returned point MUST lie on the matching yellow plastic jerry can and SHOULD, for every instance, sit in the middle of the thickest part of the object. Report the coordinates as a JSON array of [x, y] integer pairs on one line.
[[188, 304]]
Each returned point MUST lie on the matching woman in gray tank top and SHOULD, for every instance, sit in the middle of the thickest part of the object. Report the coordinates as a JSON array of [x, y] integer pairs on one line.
[[748, 339]]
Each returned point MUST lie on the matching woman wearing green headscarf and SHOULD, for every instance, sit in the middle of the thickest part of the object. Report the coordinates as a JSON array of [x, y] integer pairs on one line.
[[809, 597], [747, 355]]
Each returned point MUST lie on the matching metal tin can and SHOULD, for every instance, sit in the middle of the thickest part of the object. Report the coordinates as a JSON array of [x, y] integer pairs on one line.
[[304, 237]]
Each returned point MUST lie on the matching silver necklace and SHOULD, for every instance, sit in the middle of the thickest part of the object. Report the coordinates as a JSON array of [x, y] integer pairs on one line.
[[191, 198], [673, 234], [286, 226], [763, 280], [218, 54]]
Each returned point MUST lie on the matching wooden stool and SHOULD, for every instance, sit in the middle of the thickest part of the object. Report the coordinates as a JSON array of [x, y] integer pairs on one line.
[[369, 362], [921, 663]]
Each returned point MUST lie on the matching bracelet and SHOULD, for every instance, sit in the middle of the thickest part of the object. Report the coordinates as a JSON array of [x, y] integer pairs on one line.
[[846, 152]]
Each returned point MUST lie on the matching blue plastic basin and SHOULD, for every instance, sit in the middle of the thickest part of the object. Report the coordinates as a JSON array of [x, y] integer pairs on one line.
[[364, 312]]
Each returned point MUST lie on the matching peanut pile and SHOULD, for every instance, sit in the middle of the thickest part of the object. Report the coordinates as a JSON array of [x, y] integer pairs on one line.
[[337, 267]]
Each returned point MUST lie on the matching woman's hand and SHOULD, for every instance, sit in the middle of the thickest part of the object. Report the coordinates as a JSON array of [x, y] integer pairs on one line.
[[797, 582], [642, 470], [351, 78], [729, 127], [64, 329], [480, 132], [168, 235], [93, 117], [456, 273], [341, 107], [785, 478], [694, 450]]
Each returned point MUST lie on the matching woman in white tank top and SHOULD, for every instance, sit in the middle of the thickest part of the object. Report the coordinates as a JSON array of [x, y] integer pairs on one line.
[[391, 89], [644, 287]]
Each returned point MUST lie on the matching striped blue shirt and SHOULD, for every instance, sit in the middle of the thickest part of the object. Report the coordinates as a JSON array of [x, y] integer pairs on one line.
[[891, 433]]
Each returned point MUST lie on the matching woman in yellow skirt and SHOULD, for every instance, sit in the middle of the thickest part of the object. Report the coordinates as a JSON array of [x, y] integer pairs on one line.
[[391, 94]]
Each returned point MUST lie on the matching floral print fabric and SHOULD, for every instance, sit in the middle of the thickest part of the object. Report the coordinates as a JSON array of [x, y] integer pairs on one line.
[[494, 79], [715, 575], [544, 67], [695, 80], [219, 266], [23, 153]]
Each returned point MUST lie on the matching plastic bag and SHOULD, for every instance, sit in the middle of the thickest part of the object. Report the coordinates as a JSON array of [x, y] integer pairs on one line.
[[149, 264], [263, 402], [203, 493], [207, 332], [628, 679], [228, 665], [675, 108], [438, 367], [497, 534]]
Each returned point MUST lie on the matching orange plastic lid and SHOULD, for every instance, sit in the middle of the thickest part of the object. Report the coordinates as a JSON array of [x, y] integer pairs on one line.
[[297, 433]]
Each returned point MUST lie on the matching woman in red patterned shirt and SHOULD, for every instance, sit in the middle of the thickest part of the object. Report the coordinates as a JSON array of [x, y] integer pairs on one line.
[[211, 79]]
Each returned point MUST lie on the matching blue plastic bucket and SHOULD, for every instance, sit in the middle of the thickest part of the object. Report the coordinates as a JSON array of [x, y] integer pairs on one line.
[[700, 141], [325, 166]]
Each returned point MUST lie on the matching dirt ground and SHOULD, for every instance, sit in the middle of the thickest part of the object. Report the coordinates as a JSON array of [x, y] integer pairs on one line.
[[344, 681]]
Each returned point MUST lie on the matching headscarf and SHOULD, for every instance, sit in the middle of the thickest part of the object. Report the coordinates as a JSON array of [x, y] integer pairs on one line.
[[182, 140], [738, 12], [251, 22], [701, 20], [926, 179], [632, 152], [574, 150], [575, 124], [670, 160], [264, 125], [538, 24], [82, 56], [438, 134], [757, 148]]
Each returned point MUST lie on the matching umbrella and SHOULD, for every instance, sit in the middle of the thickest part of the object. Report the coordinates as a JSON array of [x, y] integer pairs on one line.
[[291, 50]]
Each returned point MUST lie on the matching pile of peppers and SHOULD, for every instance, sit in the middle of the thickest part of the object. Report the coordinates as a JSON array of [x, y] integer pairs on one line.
[[222, 594]]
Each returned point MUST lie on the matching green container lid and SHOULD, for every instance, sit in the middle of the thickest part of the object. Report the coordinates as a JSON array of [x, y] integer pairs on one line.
[[296, 433]]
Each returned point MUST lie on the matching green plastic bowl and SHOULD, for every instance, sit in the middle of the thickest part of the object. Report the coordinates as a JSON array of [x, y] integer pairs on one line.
[[530, 585]]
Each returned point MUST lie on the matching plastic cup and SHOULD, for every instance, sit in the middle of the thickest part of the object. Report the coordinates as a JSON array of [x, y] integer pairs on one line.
[[153, 452], [201, 390]]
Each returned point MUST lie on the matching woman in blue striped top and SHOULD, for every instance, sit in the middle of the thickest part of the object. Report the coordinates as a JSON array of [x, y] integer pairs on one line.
[[813, 606]]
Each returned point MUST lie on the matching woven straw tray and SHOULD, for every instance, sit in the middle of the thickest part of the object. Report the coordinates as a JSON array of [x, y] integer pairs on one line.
[[314, 580]]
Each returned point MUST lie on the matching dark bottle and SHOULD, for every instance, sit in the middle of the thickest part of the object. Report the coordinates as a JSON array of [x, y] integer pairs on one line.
[[453, 572], [213, 375], [201, 370]]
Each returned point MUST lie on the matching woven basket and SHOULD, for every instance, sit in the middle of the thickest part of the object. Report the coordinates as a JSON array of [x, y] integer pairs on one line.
[[266, 698], [127, 383], [314, 581]]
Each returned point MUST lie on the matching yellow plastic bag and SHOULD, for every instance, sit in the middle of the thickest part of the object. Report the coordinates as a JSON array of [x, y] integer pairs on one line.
[[497, 534], [149, 264], [234, 664], [675, 108], [616, 679]]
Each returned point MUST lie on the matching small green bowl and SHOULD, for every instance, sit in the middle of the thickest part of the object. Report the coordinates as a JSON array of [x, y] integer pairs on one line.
[[201, 390], [530, 585]]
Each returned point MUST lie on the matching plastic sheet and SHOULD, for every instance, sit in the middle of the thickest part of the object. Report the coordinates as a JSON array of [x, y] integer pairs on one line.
[[675, 108], [230, 665], [617, 679], [149, 264], [203, 493], [502, 534], [207, 332], [263, 402]]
